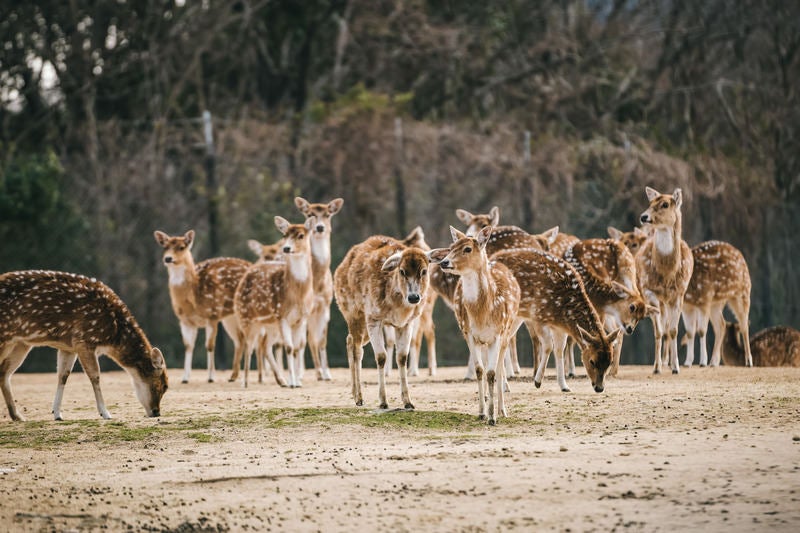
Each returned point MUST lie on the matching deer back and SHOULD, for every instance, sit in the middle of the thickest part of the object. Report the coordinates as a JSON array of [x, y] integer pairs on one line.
[[720, 273], [775, 346]]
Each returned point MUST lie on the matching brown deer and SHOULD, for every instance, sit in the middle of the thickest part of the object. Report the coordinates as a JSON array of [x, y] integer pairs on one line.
[[202, 297], [487, 301], [266, 252], [664, 267], [554, 304], [720, 277], [82, 318], [320, 216], [380, 282], [273, 300], [608, 271], [633, 240], [775, 346]]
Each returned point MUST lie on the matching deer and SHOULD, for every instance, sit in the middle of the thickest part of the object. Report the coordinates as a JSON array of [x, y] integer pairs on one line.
[[486, 300], [266, 252], [633, 240], [82, 318], [720, 276], [608, 271], [202, 297], [664, 267], [380, 282], [320, 215], [775, 346], [554, 304], [273, 299]]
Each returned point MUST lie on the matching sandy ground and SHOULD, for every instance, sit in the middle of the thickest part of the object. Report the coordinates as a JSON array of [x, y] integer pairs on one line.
[[709, 449]]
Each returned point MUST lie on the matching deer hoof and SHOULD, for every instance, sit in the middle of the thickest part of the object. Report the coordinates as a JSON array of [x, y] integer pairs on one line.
[[409, 406], [359, 403], [184, 381], [210, 380], [537, 383], [492, 422], [675, 371], [384, 405], [566, 389], [656, 371], [481, 417]]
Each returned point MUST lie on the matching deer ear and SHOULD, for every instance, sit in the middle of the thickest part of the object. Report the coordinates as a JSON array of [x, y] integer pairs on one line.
[[308, 224], [614, 233], [586, 336], [282, 224], [161, 237], [551, 234], [483, 236], [302, 204], [157, 359], [415, 238], [612, 337], [455, 234], [678, 197], [651, 193], [621, 290], [651, 310], [494, 213], [464, 216], [639, 231], [437, 255], [189, 238], [334, 206], [391, 262], [254, 246]]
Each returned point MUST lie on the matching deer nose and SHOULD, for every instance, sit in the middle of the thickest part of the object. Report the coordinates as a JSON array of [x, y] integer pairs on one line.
[[320, 228], [413, 298], [445, 264], [156, 412], [644, 218], [598, 388], [287, 249], [168, 259], [629, 329]]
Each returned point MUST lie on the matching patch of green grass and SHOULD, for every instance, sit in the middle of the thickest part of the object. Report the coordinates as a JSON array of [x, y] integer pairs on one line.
[[203, 437]]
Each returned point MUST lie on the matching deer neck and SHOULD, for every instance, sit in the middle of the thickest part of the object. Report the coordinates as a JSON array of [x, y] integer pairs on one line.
[[667, 246], [321, 258], [183, 283], [476, 285], [299, 266]]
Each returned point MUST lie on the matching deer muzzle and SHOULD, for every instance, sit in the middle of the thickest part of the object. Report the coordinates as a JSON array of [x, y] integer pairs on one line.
[[414, 298]]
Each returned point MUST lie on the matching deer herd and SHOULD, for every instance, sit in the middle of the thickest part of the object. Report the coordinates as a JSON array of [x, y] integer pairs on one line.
[[566, 291]]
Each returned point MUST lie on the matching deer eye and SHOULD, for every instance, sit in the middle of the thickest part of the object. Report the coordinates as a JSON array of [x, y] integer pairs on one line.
[[664, 205], [634, 245], [468, 250], [403, 272], [424, 272], [300, 236], [594, 365], [180, 248], [633, 308]]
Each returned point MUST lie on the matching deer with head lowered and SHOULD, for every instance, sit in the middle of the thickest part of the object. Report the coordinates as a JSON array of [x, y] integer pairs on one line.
[[720, 276], [486, 304], [381, 282], [202, 297], [554, 304], [273, 299], [664, 267], [775, 346], [82, 318], [320, 216]]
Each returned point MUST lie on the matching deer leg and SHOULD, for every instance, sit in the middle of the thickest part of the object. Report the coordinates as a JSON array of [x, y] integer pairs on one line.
[[299, 334], [413, 351], [741, 310], [656, 320], [502, 382], [570, 358], [248, 354], [211, 341], [231, 327], [189, 336], [323, 355], [545, 347], [430, 340], [691, 322], [512, 345], [11, 357], [471, 372], [479, 373], [390, 340], [404, 338], [65, 362], [375, 330], [289, 344], [495, 352], [673, 317], [92, 369], [718, 323], [314, 335], [355, 354], [560, 345]]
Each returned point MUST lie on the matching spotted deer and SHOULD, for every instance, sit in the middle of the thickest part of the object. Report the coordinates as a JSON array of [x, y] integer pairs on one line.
[[202, 297], [720, 277], [82, 318], [554, 305], [608, 271], [380, 282], [273, 299], [775, 346], [486, 302], [633, 240], [266, 252], [664, 267], [320, 216]]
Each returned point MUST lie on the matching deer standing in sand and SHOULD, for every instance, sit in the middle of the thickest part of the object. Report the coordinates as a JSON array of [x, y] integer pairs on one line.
[[320, 216], [380, 282], [202, 297], [486, 302], [664, 267], [554, 305], [82, 318], [273, 299]]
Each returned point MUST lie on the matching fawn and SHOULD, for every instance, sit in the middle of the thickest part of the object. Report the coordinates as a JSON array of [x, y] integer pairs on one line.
[[775, 346], [82, 318]]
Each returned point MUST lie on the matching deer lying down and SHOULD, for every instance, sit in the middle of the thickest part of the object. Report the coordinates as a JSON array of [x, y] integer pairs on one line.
[[82, 318], [486, 301], [380, 282], [775, 346]]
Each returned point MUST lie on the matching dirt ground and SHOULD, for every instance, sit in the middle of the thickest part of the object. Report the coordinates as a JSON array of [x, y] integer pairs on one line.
[[709, 449]]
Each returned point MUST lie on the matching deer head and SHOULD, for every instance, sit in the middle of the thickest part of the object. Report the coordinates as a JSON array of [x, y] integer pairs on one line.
[[475, 223], [151, 388], [177, 250], [466, 254], [319, 214], [409, 271], [630, 308], [265, 252], [633, 240], [664, 209], [596, 355], [295, 236]]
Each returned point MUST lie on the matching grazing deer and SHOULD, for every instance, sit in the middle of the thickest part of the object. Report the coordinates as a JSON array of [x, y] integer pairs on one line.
[[380, 282], [554, 304], [775, 346], [273, 300], [486, 301], [720, 276], [82, 318], [633, 240], [320, 216], [202, 297], [608, 271], [664, 267]]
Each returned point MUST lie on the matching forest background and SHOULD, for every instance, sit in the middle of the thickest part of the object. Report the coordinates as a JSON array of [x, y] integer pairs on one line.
[[560, 112]]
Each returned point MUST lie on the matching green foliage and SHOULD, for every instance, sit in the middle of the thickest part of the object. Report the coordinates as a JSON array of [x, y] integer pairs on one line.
[[358, 99]]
